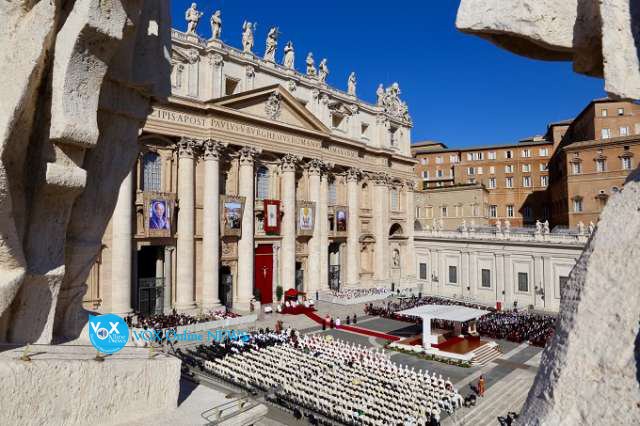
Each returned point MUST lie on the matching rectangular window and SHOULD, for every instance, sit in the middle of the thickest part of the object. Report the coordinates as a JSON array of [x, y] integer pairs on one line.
[[364, 130], [626, 163], [544, 152], [492, 183], [486, 278], [544, 167], [439, 160], [509, 182], [476, 211], [510, 210], [493, 210], [453, 159], [523, 282], [395, 200], [508, 168], [425, 174], [508, 154], [453, 274], [544, 180], [604, 112], [492, 155], [577, 205], [624, 131], [526, 181], [576, 168], [471, 171], [526, 168], [469, 156], [606, 133], [423, 271], [526, 153], [600, 165], [620, 111], [444, 211], [440, 173], [492, 170], [479, 171]]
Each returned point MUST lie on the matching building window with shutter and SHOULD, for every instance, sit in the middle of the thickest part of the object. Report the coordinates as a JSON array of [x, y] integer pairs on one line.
[[453, 274], [486, 278], [523, 282]]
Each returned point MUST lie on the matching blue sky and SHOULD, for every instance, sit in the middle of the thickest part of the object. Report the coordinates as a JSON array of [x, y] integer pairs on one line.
[[461, 90]]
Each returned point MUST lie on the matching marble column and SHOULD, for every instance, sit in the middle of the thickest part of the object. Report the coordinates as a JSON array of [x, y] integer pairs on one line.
[[353, 227], [324, 231], [314, 168], [246, 249], [168, 279], [211, 225], [410, 254], [288, 198], [381, 228], [122, 249], [185, 274]]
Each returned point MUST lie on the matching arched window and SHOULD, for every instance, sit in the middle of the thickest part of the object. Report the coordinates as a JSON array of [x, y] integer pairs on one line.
[[333, 195], [151, 172], [262, 183]]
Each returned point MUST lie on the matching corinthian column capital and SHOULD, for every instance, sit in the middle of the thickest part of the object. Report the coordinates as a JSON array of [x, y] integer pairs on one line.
[[289, 162], [186, 147], [353, 174], [248, 155], [212, 149]]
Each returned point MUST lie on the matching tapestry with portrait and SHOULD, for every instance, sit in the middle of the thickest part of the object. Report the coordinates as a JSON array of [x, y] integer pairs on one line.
[[272, 217], [231, 211], [158, 214], [306, 217], [341, 219]]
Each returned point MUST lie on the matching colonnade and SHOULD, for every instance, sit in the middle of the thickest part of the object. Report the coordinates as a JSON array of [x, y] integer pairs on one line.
[[318, 257]]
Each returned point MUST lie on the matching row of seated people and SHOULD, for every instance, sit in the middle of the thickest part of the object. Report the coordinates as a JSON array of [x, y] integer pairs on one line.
[[516, 326], [355, 293], [161, 321], [348, 384]]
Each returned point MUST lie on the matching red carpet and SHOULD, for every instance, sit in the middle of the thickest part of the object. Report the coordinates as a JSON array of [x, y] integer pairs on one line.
[[300, 309], [353, 329]]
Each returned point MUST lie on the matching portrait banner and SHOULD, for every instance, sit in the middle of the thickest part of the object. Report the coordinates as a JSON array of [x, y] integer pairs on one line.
[[231, 211], [341, 218], [272, 217], [306, 217], [158, 214]]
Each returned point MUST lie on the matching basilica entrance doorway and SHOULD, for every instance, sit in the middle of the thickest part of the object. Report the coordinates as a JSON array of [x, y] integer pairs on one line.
[[150, 282], [264, 273]]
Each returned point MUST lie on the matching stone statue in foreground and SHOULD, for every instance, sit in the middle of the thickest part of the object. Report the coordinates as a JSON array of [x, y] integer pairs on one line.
[[80, 92], [590, 371]]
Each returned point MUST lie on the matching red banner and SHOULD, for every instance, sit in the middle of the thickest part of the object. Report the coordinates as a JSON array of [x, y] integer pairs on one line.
[[272, 216]]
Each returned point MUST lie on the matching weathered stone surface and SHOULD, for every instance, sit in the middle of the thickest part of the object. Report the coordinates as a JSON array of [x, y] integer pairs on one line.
[[590, 370], [63, 385], [599, 37], [82, 79]]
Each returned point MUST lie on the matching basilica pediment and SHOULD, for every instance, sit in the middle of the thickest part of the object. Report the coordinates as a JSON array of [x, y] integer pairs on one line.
[[273, 103]]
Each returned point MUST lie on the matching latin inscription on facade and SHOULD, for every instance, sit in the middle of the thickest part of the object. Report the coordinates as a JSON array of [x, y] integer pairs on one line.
[[261, 132]]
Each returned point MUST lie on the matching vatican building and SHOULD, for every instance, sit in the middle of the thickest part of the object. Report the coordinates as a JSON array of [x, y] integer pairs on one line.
[[255, 175]]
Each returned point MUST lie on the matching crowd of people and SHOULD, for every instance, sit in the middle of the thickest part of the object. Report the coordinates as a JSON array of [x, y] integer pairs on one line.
[[164, 321], [357, 293], [332, 380], [516, 326]]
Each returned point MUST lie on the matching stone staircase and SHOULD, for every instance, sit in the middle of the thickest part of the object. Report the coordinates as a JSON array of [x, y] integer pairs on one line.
[[485, 354]]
